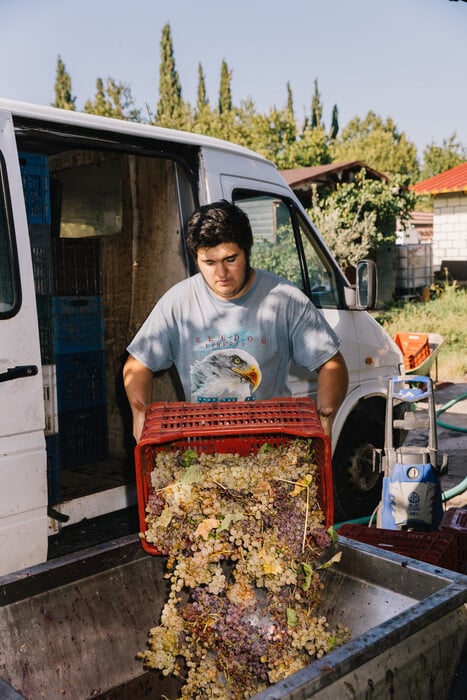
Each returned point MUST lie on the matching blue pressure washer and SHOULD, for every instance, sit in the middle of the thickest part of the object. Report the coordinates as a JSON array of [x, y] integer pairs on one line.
[[411, 496]]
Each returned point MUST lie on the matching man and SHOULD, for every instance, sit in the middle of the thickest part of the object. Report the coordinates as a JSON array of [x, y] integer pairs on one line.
[[231, 330]]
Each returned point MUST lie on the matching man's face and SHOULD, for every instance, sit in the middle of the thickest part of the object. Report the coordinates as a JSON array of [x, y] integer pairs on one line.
[[225, 270]]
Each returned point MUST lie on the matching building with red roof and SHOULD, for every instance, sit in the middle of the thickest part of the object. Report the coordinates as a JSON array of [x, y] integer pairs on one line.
[[449, 242]]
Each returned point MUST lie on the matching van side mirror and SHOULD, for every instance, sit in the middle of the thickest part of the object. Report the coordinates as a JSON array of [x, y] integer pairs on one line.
[[367, 284]]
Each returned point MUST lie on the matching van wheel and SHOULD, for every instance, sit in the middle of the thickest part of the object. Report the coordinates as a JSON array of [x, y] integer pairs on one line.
[[357, 487]]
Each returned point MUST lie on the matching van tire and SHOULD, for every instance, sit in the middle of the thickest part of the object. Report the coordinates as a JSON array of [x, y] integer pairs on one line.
[[357, 487]]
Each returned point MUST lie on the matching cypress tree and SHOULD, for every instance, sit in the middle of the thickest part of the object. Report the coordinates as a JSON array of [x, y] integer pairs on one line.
[[289, 101], [316, 108], [170, 104], [202, 100], [63, 96], [334, 130], [225, 93]]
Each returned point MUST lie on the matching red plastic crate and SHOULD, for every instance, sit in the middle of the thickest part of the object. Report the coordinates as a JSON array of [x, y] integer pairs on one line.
[[437, 548], [455, 522], [240, 428], [415, 348]]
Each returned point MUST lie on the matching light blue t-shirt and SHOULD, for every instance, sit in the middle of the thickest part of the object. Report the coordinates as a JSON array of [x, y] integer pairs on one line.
[[236, 350]]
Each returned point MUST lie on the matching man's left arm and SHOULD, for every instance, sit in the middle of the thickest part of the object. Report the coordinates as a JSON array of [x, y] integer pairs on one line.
[[333, 380]]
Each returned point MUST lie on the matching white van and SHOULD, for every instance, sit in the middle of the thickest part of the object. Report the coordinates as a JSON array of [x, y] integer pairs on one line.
[[92, 212]]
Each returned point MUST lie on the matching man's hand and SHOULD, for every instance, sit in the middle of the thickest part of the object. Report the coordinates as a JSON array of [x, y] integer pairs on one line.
[[137, 379], [333, 381]]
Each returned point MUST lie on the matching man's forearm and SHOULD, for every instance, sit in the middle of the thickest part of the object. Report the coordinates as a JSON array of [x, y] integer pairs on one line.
[[137, 380], [332, 387]]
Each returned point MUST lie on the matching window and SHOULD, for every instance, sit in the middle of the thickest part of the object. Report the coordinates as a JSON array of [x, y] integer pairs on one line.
[[285, 244], [8, 287]]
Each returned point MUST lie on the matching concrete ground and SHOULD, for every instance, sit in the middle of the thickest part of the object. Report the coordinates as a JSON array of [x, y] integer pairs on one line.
[[454, 444], [450, 441]]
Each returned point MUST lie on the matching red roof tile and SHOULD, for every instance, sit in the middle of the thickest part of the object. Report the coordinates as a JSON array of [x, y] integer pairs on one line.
[[453, 180]]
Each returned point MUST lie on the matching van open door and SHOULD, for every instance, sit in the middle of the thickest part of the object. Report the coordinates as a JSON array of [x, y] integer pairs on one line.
[[23, 471]]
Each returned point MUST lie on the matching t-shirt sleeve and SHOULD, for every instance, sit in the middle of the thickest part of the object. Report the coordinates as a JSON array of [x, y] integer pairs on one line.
[[152, 345], [313, 340]]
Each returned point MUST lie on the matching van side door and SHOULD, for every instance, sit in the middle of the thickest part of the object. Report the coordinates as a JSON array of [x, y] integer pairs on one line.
[[23, 481]]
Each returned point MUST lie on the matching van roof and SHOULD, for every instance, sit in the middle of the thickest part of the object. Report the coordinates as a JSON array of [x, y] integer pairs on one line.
[[92, 121]]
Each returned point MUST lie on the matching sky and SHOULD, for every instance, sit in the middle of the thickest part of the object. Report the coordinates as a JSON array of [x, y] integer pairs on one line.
[[403, 59]]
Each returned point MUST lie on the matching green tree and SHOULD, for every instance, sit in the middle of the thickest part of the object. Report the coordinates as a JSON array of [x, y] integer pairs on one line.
[[350, 238], [113, 99], [290, 101], [377, 143], [225, 91], [316, 108], [360, 216], [170, 107], [334, 130], [437, 159], [202, 119], [310, 148], [63, 96], [202, 99], [270, 134]]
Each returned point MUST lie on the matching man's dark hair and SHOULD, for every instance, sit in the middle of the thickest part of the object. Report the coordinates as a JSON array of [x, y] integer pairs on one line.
[[216, 223]]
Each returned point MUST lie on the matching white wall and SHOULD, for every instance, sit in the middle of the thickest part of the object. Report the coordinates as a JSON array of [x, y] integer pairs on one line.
[[449, 228]]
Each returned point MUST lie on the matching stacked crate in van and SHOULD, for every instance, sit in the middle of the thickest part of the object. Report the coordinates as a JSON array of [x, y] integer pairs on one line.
[[69, 303]]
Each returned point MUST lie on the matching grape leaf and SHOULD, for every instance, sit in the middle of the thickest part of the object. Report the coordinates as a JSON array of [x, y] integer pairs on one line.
[[292, 618], [189, 457], [302, 484], [205, 527], [191, 475], [164, 518], [333, 560], [228, 519], [307, 570]]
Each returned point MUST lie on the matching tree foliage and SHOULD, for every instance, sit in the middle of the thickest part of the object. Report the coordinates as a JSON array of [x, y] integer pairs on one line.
[[360, 216], [202, 98], [334, 130], [170, 107], [113, 99], [63, 97], [377, 143], [316, 108], [437, 159], [365, 211], [225, 89]]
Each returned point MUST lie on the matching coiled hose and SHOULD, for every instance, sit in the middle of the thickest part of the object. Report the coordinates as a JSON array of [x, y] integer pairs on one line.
[[441, 410]]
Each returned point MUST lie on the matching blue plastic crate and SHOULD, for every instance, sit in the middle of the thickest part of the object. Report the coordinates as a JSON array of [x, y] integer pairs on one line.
[[77, 324], [80, 380], [41, 252], [44, 317], [53, 469], [36, 187], [76, 266], [83, 436]]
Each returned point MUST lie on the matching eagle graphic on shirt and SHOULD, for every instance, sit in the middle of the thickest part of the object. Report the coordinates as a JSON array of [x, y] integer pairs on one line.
[[225, 375]]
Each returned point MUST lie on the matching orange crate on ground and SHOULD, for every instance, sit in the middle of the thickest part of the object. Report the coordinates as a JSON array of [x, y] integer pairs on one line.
[[455, 522], [437, 548], [240, 427], [415, 348]]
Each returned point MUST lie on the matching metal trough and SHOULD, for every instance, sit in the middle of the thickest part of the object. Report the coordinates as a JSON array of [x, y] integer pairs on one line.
[[72, 627]]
